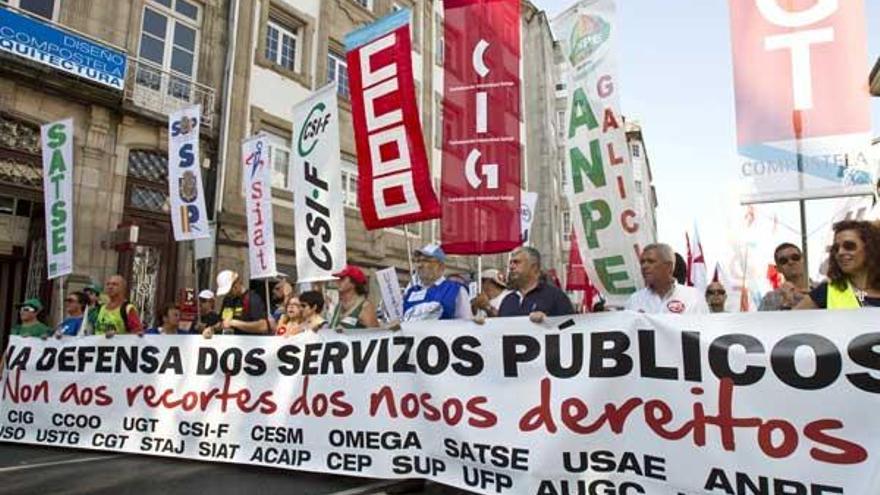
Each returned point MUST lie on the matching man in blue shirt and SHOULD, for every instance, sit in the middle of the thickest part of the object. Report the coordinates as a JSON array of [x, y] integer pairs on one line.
[[76, 303], [433, 297]]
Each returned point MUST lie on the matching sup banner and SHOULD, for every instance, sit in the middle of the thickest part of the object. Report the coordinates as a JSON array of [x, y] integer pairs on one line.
[[394, 181], [188, 214], [802, 104], [257, 173], [603, 200], [481, 149], [618, 403], [57, 140]]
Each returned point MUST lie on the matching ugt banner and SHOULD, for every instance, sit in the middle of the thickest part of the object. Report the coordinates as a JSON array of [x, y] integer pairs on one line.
[[481, 148], [57, 138], [617, 404], [189, 217], [257, 167], [394, 181], [603, 200], [802, 103], [316, 178]]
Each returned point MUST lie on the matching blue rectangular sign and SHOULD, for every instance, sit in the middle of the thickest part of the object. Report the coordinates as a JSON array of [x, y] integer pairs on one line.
[[49, 45]]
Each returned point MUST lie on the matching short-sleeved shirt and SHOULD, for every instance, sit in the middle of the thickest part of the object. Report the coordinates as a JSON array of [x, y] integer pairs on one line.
[[819, 295], [234, 308], [546, 298], [71, 325], [38, 329], [112, 319], [681, 299], [773, 300], [210, 319]]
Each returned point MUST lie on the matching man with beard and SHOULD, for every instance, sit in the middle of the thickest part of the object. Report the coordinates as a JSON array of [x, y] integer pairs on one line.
[[433, 296], [534, 296], [662, 293]]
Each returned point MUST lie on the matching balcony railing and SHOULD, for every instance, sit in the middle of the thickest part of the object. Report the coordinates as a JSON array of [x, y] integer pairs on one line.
[[161, 91]]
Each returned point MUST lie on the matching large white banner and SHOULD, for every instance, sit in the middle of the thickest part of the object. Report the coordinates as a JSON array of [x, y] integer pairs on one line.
[[257, 169], [188, 214], [613, 403], [57, 140], [316, 180], [603, 200]]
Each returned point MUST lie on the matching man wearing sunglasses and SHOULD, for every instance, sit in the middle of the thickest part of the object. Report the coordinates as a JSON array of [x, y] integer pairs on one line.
[[716, 297], [30, 326], [790, 263]]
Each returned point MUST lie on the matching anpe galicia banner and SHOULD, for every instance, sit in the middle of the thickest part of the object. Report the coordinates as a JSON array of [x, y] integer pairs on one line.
[[257, 167], [188, 214], [617, 403], [601, 191], [57, 138], [394, 181], [316, 178], [481, 148]]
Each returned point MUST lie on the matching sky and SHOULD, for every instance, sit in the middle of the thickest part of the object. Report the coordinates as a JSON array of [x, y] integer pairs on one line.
[[676, 79]]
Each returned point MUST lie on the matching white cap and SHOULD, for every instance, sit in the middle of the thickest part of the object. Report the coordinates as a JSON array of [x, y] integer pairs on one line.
[[495, 276], [225, 279], [206, 294]]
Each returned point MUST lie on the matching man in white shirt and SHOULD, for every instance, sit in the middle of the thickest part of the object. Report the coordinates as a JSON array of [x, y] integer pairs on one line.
[[662, 293]]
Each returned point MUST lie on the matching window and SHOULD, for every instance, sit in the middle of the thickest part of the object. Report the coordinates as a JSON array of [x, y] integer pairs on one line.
[[169, 43], [438, 40], [337, 70], [281, 45], [560, 86], [560, 124], [438, 120], [563, 174], [566, 226], [349, 185], [636, 150], [279, 155], [47, 9]]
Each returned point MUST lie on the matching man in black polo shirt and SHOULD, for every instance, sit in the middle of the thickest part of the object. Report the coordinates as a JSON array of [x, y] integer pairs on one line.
[[243, 311], [533, 296]]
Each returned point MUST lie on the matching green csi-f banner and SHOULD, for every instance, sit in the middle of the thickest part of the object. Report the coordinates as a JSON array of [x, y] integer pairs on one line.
[[58, 195]]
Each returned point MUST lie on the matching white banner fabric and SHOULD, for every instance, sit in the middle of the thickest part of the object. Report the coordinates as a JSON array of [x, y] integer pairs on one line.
[[57, 138], [316, 180], [257, 170], [602, 193], [615, 403], [189, 217]]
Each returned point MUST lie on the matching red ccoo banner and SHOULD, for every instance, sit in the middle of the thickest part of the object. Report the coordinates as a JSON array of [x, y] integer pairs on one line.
[[481, 148], [394, 179]]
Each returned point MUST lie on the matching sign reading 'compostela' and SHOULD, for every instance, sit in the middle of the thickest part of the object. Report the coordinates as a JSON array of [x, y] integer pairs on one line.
[[618, 403]]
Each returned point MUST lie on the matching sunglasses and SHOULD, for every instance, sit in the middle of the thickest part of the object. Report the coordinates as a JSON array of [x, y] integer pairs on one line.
[[783, 260], [27, 309], [716, 292], [845, 246]]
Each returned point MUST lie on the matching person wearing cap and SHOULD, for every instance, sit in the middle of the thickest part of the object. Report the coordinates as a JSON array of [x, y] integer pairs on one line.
[[493, 291], [207, 315], [118, 315], [281, 293], [534, 296], [30, 326], [243, 312], [75, 306], [354, 309], [434, 297]]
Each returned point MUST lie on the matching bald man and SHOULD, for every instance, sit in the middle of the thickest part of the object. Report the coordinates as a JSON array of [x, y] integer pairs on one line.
[[118, 315]]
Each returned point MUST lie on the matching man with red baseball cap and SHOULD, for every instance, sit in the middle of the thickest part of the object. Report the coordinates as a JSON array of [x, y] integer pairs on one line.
[[354, 309]]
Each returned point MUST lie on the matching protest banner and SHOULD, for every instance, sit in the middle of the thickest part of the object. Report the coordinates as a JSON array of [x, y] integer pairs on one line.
[[316, 180], [57, 138], [394, 181], [528, 202], [189, 217], [618, 403], [482, 150], [389, 289], [601, 190], [802, 104], [258, 202]]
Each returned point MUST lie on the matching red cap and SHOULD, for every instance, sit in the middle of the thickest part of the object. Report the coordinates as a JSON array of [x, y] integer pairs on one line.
[[354, 273]]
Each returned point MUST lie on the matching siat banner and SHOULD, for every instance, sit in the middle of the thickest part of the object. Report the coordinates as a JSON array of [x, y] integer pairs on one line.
[[57, 138], [482, 149], [394, 179], [257, 175], [189, 217]]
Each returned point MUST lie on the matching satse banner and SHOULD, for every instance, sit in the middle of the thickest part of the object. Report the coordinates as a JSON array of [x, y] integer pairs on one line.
[[481, 148], [316, 179], [188, 214], [394, 181], [617, 403], [257, 173], [603, 200], [57, 138]]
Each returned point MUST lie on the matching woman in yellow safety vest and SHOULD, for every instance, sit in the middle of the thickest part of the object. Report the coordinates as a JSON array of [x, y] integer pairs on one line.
[[853, 269]]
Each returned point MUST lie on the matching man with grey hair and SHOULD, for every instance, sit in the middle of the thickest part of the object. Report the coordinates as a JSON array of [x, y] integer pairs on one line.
[[533, 296], [662, 294]]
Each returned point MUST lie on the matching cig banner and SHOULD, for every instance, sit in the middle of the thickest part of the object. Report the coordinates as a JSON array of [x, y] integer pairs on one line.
[[57, 138], [257, 173], [802, 104], [394, 180], [617, 403], [603, 199], [480, 188], [187, 196], [316, 177]]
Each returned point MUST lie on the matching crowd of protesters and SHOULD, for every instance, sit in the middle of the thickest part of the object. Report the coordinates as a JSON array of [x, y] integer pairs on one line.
[[853, 281]]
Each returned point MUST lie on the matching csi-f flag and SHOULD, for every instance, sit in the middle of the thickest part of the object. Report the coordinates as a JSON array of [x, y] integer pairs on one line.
[[257, 170], [188, 214], [316, 179], [58, 195]]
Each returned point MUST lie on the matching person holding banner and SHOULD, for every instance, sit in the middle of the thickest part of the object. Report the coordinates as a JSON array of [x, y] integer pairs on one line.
[[207, 315], [76, 303], [433, 297], [170, 318], [30, 325], [662, 293], [790, 262], [243, 311], [853, 269], [354, 309], [118, 315], [535, 297], [494, 290], [312, 305], [716, 297], [291, 321]]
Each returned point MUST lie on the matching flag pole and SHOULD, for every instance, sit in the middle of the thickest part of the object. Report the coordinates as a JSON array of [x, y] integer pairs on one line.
[[196, 271], [479, 274], [409, 251], [798, 124], [268, 301], [61, 300]]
